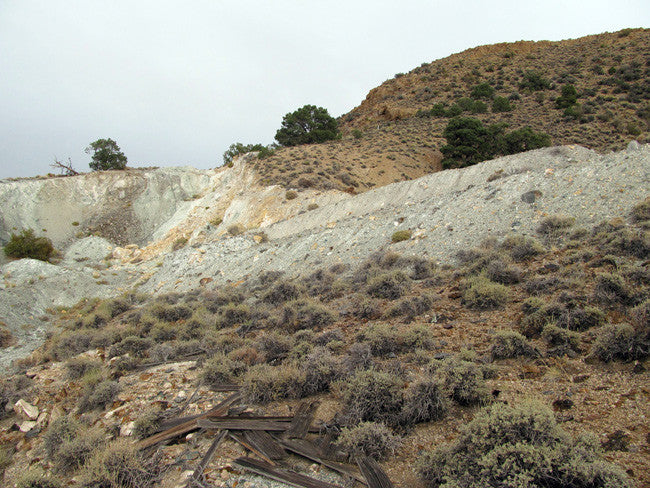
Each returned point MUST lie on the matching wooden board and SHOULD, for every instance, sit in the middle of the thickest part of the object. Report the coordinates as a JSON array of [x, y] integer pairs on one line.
[[375, 476], [242, 423], [290, 477], [197, 476], [302, 420]]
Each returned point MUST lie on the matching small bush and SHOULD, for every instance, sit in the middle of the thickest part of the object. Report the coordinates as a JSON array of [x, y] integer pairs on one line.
[[503, 273], [424, 401], [382, 338], [78, 367], [519, 446], [221, 370], [640, 316], [554, 225], [483, 294], [291, 195], [120, 465], [641, 211], [371, 396], [411, 307], [74, 453], [619, 342], [282, 291], [321, 370], [27, 245], [233, 315], [389, 285], [263, 383], [62, 430], [463, 380], [98, 395], [401, 235], [522, 248], [534, 81], [6, 338], [369, 439], [148, 423], [36, 478], [558, 336], [501, 104], [171, 313], [136, 346], [510, 344], [610, 289], [236, 229]]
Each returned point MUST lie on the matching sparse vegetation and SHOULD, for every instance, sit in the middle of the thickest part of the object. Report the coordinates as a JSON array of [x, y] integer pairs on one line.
[[401, 235], [369, 439], [28, 245]]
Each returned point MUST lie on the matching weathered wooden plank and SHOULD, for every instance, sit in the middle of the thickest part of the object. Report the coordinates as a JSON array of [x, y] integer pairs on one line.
[[189, 425], [375, 476], [265, 443], [302, 420], [197, 476], [243, 423], [311, 451], [290, 477], [238, 437]]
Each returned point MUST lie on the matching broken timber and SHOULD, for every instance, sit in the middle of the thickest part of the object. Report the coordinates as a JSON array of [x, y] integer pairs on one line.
[[373, 473], [290, 477], [197, 476], [302, 420]]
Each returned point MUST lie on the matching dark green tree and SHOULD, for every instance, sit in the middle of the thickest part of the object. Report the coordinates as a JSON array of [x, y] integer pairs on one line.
[[238, 148], [501, 104], [467, 142], [106, 154], [568, 98], [309, 124], [524, 139], [483, 90]]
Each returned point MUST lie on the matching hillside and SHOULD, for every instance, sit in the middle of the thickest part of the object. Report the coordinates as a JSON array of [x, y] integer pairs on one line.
[[610, 72], [316, 297]]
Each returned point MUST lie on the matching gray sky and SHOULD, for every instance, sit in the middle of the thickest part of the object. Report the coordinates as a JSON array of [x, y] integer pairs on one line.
[[175, 83]]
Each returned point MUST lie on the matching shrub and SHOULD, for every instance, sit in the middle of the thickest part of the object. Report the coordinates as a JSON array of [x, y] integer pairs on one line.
[[98, 395], [27, 245], [61, 430], [6, 338], [619, 341], [610, 289], [483, 294], [641, 211], [483, 90], [510, 344], [568, 98], [501, 272], [424, 401], [521, 248], [519, 446], [291, 195], [501, 104], [401, 235], [221, 370], [640, 316], [368, 439], [557, 336], [306, 314], [523, 139], [534, 81], [382, 338], [554, 225], [171, 313], [106, 155], [463, 380], [120, 465], [371, 396], [357, 134], [134, 345], [282, 291], [321, 369], [36, 478], [148, 423], [389, 285], [307, 125], [359, 357], [263, 383], [236, 229], [77, 367], [411, 307], [232, 315], [74, 453]]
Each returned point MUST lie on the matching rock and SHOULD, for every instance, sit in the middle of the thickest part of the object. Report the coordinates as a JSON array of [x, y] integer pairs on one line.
[[633, 146], [562, 404], [531, 196], [26, 410], [27, 425], [127, 429]]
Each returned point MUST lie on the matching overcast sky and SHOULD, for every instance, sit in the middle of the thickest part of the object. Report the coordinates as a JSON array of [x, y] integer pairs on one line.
[[176, 82]]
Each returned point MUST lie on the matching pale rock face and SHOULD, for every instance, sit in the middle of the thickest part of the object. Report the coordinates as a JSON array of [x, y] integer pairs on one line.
[[26, 410]]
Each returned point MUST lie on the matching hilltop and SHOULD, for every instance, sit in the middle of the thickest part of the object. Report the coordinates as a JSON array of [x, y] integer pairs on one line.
[[393, 136]]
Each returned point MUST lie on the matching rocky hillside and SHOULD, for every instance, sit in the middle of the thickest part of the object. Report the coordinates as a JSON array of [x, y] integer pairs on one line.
[[259, 288], [396, 132]]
